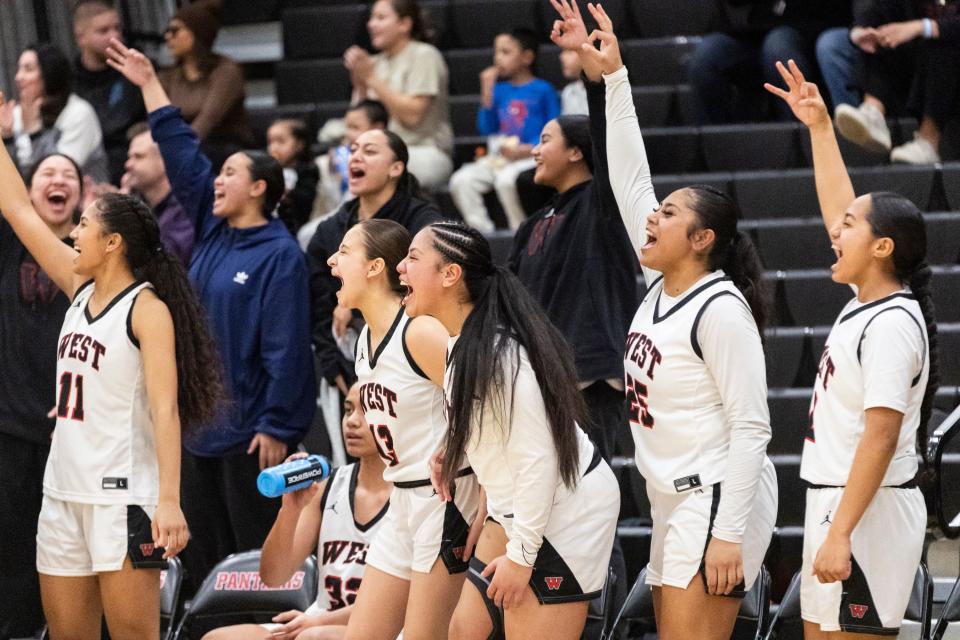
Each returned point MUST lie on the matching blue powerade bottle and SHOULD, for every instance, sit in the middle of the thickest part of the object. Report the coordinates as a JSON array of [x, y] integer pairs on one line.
[[291, 476]]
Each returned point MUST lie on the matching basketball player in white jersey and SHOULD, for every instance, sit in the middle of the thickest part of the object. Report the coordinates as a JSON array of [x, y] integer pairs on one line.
[[134, 361], [339, 517], [417, 563], [694, 374], [512, 410], [866, 517]]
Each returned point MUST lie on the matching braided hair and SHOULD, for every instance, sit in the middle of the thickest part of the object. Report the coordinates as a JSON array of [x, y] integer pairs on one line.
[[486, 359], [199, 383]]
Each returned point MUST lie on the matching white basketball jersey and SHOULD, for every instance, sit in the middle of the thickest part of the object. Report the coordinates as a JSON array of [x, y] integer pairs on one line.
[[841, 396], [403, 407], [674, 406], [103, 448], [343, 542]]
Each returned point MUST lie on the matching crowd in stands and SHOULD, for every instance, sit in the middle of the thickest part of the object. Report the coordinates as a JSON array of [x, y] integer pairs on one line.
[[254, 228]]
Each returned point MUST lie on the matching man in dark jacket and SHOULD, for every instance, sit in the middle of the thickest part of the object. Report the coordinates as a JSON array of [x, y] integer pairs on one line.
[[117, 102], [728, 68]]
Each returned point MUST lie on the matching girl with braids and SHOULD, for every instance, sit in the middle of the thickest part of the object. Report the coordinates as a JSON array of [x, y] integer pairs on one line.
[[134, 362], [513, 409], [695, 378], [251, 278], [871, 401], [415, 566], [385, 190]]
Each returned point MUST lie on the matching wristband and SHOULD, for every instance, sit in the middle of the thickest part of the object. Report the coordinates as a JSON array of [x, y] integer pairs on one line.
[[927, 28]]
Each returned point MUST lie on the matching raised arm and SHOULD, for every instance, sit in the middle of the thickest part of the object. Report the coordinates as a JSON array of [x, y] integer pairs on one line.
[[189, 171], [629, 169], [834, 188], [51, 253]]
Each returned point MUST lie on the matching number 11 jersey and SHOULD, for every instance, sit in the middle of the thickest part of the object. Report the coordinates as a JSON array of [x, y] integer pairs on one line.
[[103, 449], [404, 409]]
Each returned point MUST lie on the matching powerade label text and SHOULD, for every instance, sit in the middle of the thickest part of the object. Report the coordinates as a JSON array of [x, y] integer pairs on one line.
[[306, 475]]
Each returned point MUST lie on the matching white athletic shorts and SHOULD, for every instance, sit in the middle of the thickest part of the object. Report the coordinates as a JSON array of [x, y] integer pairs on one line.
[[886, 546], [419, 528], [682, 525], [78, 539], [571, 565]]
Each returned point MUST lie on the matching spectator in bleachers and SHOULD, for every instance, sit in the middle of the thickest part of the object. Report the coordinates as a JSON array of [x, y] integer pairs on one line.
[[146, 176], [911, 60], [207, 87], [728, 66], [384, 188], [117, 103], [515, 105], [573, 98], [334, 188], [574, 257], [326, 517], [251, 278], [49, 117], [31, 314], [410, 77], [288, 141]]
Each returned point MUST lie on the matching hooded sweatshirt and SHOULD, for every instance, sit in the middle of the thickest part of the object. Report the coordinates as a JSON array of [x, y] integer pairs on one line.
[[412, 212], [253, 284]]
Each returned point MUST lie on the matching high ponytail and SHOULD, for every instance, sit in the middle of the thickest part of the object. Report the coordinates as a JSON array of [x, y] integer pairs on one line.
[[199, 382], [732, 250], [486, 358], [896, 217]]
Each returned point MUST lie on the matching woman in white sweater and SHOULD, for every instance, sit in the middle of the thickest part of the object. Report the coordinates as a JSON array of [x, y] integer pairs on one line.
[[49, 118]]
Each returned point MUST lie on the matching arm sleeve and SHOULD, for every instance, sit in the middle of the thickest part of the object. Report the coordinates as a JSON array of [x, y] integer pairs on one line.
[[285, 349], [424, 76], [892, 354], [531, 460], [488, 122], [733, 353], [188, 170], [226, 88], [629, 170], [80, 133], [323, 300]]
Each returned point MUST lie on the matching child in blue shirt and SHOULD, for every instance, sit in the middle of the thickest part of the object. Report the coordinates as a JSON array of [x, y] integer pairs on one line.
[[515, 107]]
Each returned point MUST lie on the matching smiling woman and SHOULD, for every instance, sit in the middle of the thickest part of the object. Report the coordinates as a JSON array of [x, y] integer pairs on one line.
[[32, 307], [385, 190]]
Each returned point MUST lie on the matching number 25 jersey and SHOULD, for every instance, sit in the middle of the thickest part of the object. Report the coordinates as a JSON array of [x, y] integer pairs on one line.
[[103, 449], [403, 408]]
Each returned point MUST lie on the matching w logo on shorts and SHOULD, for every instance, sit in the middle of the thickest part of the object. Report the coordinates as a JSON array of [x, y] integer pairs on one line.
[[146, 549], [858, 610], [553, 583]]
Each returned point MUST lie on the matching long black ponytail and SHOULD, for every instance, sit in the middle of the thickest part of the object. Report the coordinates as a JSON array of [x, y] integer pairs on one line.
[[199, 381], [407, 183], [896, 217], [732, 250], [505, 317]]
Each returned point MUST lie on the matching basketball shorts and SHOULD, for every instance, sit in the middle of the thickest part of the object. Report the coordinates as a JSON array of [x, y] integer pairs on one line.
[[571, 565], [886, 546], [682, 526], [314, 610], [78, 539], [419, 528]]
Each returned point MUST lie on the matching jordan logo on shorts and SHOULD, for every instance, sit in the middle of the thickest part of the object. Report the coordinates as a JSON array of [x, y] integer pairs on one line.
[[553, 583], [858, 610]]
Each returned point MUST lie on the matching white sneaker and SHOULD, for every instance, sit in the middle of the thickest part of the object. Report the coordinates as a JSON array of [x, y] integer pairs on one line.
[[920, 151], [864, 126]]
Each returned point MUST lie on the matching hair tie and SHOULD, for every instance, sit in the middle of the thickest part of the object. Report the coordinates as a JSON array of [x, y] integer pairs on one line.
[[158, 248]]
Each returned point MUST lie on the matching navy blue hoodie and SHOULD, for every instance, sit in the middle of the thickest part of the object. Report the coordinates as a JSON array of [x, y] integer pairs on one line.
[[253, 283]]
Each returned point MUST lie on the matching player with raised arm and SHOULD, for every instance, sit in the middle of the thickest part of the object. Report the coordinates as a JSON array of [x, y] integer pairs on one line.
[[871, 402], [695, 378], [135, 362]]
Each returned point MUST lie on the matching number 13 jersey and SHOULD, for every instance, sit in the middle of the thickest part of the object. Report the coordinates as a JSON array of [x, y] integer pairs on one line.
[[404, 409], [103, 449]]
